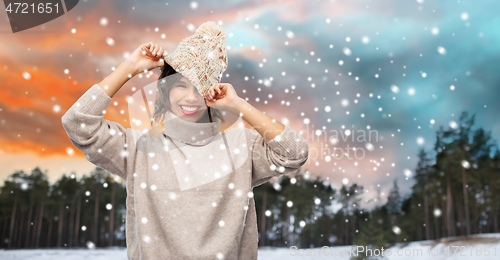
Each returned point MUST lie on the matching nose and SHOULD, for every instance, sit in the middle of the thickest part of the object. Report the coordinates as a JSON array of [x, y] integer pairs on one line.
[[193, 95]]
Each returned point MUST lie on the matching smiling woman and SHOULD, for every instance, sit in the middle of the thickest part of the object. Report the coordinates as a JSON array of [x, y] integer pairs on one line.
[[178, 95]]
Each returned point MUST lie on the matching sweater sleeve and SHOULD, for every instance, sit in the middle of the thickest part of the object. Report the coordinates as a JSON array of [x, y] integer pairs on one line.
[[105, 143], [285, 153]]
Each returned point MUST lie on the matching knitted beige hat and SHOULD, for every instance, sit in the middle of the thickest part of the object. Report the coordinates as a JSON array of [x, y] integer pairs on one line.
[[202, 57]]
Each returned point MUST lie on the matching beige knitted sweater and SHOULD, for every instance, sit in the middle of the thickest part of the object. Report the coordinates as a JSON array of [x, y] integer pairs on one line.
[[189, 189]]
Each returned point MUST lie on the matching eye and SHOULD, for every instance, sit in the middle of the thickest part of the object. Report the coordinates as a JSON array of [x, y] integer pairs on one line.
[[181, 86]]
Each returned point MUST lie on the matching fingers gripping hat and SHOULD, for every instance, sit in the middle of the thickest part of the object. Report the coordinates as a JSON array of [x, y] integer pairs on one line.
[[202, 57]]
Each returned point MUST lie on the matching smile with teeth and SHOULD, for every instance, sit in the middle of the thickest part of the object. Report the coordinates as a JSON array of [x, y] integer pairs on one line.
[[189, 109]]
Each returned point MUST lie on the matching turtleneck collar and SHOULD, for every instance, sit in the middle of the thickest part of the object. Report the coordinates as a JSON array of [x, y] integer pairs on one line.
[[189, 132]]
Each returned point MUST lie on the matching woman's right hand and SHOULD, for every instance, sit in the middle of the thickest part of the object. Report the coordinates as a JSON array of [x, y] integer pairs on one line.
[[147, 57]]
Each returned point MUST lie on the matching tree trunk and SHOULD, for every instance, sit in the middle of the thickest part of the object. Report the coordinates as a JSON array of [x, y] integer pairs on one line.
[[449, 207], [476, 217], [466, 201], [4, 230], [346, 237], [19, 231], [419, 231], [494, 210], [49, 235], [426, 215], [28, 225], [478, 214], [263, 220], [35, 226], [287, 226], [287, 221], [71, 224], [96, 217], [112, 216], [60, 225], [12, 222], [328, 229], [77, 221], [460, 215], [33, 231], [436, 224], [353, 227], [39, 227], [444, 220]]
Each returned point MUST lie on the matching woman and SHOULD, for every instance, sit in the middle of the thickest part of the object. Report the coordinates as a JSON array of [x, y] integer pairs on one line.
[[193, 201]]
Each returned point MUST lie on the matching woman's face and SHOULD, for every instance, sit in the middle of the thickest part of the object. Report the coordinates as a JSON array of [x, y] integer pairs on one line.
[[186, 102]]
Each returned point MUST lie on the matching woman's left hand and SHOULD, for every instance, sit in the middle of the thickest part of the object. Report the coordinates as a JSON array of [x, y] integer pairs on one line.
[[224, 95]]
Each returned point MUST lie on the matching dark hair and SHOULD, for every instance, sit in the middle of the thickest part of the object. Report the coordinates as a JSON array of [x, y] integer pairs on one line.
[[167, 79]]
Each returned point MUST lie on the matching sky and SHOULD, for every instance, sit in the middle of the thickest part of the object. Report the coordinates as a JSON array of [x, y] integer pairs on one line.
[[381, 76]]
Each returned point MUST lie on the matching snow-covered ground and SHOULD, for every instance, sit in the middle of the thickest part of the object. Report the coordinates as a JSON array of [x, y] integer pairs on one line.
[[483, 246]]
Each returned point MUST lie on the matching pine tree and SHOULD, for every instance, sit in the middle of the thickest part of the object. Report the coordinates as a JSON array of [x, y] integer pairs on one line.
[[371, 237]]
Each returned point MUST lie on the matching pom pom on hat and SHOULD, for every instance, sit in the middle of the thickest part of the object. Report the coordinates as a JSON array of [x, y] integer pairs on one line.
[[202, 57], [211, 28]]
